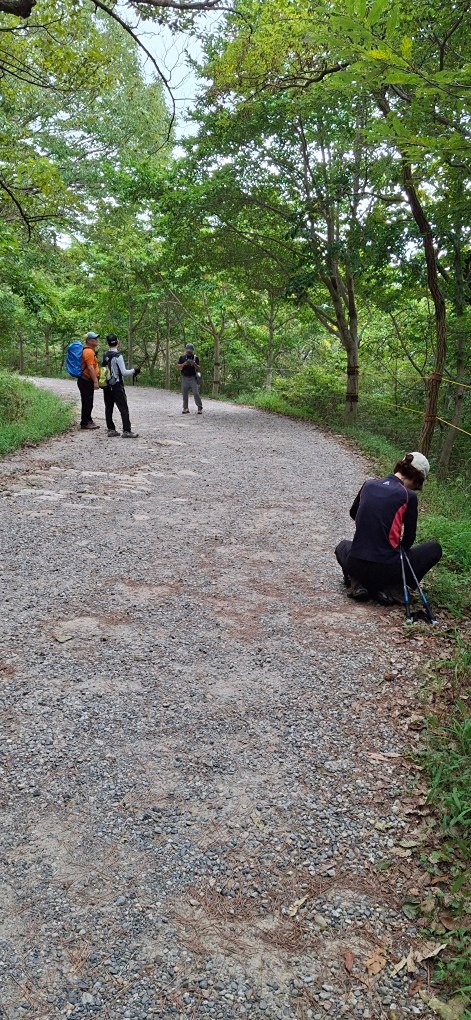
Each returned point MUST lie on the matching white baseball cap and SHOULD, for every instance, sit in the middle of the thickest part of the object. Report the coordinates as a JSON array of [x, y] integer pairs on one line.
[[420, 463]]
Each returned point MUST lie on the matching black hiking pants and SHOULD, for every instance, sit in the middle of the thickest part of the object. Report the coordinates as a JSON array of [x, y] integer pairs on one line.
[[378, 576], [116, 396], [87, 392]]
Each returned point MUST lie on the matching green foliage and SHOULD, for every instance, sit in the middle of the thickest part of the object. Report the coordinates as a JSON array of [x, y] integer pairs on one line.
[[449, 768], [446, 762], [28, 414]]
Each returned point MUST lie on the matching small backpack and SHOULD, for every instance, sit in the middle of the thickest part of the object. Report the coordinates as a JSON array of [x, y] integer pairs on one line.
[[106, 377], [73, 359]]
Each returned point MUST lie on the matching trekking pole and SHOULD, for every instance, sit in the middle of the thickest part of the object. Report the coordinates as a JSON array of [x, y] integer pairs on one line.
[[423, 598], [405, 589]]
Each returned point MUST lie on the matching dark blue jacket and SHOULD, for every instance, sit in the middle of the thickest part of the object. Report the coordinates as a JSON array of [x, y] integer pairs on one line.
[[381, 510]]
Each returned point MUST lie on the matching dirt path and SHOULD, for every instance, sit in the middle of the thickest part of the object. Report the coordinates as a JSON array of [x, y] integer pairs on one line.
[[204, 781]]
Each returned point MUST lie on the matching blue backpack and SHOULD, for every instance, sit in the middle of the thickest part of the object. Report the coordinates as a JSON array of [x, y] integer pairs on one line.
[[73, 359]]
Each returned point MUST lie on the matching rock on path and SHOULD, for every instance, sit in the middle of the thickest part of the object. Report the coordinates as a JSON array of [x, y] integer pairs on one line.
[[202, 752]]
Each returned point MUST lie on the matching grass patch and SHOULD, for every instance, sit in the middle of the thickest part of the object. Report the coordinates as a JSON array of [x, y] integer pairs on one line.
[[28, 414], [446, 761]]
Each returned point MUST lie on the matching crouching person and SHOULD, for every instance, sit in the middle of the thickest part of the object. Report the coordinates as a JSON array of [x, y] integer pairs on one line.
[[114, 392], [385, 514]]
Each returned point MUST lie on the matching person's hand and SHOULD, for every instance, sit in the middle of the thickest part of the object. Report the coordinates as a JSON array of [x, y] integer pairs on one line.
[[136, 372]]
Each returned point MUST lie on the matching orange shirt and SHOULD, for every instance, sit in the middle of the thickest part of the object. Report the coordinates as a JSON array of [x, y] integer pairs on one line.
[[89, 358]]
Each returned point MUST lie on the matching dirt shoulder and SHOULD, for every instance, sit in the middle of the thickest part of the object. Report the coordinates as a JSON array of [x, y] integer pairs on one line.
[[207, 805]]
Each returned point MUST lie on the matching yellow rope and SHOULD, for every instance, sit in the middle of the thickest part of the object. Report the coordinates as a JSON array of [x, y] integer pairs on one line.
[[452, 382], [453, 426], [413, 410]]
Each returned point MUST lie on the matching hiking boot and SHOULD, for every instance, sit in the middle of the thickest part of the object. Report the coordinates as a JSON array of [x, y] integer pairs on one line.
[[200, 410], [130, 435], [113, 432], [186, 410], [358, 591], [390, 597], [89, 427]]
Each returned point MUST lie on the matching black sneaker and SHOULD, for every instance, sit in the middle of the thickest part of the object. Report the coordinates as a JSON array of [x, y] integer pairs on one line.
[[390, 597], [358, 592]]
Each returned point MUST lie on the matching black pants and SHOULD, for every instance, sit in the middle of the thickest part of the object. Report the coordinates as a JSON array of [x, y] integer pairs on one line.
[[377, 576], [87, 392], [116, 395]]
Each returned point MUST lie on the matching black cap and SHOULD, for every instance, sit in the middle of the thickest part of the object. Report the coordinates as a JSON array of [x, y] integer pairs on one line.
[[111, 338]]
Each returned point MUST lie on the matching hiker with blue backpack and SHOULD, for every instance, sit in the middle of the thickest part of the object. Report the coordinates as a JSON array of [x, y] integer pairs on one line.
[[81, 363], [113, 369]]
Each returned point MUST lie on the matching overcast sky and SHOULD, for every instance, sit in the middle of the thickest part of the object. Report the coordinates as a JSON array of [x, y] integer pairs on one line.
[[171, 51]]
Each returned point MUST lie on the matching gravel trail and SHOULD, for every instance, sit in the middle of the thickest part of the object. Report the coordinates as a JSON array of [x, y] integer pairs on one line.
[[202, 762]]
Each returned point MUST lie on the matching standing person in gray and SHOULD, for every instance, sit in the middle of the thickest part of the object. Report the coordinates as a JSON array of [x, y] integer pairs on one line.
[[114, 393], [189, 364]]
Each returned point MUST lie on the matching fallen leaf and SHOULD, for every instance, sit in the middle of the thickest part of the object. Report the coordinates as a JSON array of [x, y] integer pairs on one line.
[[408, 843], [399, 851], [428, 950], [410, 962], [376, 962], [449, 922], [294, 907], [378, 756], [399, 966], [383, 826], [415, 986], [416, 722], [61, 636], [348, 960], [452, 1010], [257, 820], [384, 865]]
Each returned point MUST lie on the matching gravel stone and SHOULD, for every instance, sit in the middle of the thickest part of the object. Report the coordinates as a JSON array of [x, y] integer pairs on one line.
[[200, 735]]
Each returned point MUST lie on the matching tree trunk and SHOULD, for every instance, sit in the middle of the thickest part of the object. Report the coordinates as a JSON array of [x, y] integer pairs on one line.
[[445, 454], [434, 380], [167, 349], [459, 307], [47, 353], [21, 353], [351, 395], [216, 365], [271, 350], [130, 335], [433, 384]]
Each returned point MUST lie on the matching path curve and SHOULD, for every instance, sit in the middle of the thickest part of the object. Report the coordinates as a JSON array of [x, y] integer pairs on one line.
[[203, 751]]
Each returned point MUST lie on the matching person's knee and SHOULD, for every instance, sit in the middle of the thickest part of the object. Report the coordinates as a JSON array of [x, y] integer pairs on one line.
[[438, 551], [341, 552]]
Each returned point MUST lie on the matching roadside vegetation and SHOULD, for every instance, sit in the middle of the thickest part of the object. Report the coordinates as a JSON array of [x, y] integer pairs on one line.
[[28, 414]]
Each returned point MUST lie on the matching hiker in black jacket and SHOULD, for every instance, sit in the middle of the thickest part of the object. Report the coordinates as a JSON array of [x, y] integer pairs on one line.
[[385, 514], [114, 392]]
